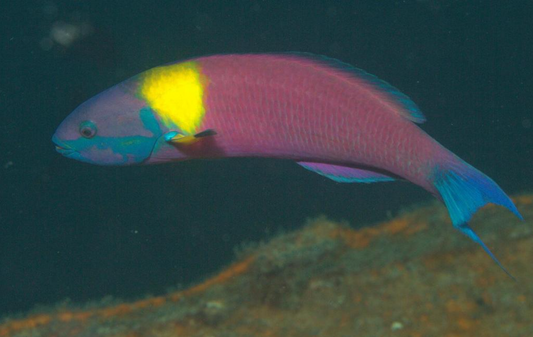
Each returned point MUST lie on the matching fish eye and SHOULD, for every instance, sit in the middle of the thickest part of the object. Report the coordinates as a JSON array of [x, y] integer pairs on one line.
[[87, 129]]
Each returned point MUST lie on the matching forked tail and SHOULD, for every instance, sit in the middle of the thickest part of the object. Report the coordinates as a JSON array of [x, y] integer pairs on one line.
[[464, 190]]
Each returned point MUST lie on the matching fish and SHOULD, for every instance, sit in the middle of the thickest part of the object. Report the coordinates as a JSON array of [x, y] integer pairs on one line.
[[327, 116]]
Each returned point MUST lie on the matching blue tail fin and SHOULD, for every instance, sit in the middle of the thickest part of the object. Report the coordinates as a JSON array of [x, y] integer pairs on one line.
[[464, 190]]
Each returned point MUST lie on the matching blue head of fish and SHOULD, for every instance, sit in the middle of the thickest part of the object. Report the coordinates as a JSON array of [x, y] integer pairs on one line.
[[112, 128]]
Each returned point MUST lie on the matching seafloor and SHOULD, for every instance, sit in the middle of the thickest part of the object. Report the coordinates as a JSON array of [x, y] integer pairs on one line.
[[411, 276]]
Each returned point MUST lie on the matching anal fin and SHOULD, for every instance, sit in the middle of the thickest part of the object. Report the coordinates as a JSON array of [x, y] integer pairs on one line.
[[343, 174]]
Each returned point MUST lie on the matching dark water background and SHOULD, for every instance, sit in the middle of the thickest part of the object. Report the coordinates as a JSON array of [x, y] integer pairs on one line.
[[70, 230]]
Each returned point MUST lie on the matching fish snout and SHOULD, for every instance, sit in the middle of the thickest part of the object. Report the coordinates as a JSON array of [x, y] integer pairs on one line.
[[63, 148]]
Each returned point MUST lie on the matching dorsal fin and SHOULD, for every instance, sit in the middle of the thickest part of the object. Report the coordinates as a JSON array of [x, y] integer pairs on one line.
[[405, 106]]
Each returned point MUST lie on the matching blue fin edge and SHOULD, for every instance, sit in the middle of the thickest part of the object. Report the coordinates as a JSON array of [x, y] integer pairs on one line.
[[464, 190], [468, 231], [410, 111], [343, 174]]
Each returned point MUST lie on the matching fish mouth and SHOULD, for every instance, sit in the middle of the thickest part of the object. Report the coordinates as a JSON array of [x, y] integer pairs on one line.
[[64, 151], [63, 148]]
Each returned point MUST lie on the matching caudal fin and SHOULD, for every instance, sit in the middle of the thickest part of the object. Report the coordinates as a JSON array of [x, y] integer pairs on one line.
[[464, 190]]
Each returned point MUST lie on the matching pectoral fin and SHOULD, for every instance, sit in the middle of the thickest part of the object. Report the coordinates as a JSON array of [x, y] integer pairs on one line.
[[175, 137]]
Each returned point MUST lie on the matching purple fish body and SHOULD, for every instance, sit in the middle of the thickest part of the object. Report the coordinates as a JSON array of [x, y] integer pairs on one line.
[[333, 119], [302, 109]]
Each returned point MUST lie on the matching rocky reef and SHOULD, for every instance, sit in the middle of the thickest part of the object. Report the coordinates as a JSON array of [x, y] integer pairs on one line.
[[411, 276]]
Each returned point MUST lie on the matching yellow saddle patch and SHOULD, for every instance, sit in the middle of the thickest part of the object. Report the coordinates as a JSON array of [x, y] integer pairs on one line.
[[175, 92]]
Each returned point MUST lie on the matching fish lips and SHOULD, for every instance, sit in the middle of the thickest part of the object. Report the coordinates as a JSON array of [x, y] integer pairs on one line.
[[64, 149]]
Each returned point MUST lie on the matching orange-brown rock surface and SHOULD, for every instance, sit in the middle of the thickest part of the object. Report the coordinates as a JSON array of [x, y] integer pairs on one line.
[[411, 276]]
